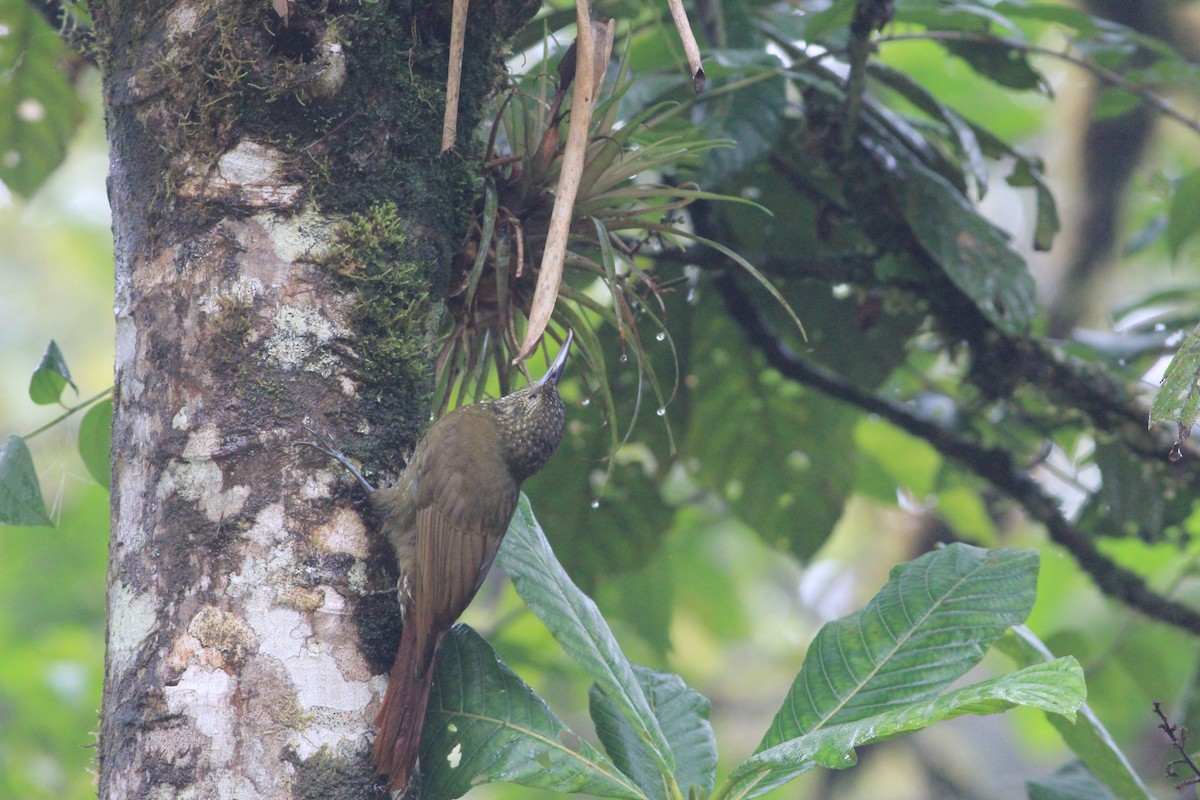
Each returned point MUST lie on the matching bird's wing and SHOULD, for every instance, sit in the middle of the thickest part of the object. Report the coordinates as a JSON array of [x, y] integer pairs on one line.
[[457, 535]]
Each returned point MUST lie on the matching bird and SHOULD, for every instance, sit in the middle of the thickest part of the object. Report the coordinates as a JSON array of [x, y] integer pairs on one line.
[[445, 518]]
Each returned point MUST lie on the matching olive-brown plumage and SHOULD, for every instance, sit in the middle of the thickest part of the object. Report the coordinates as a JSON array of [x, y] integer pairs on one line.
[[446, 517]]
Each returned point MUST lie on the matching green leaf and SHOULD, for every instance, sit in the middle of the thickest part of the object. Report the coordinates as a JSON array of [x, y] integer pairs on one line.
[[50, 377], [485, 725], [1086, 735], [829, 26], [780, 455], [20, 495], [1178, 398], [39, 108], [973, 252], [963, 135], [1070, 17], [953, 16], [1113, 101], [1001, 62], [1057, 688], [1072, 782], [576, 624], [1026, 173], [1184, 217], [682, 713], [958, 599], [955, 601], [752, 116], [95, 441], [1133, 498]]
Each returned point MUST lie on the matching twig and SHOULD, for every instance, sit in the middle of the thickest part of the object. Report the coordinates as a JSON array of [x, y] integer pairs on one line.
[[869, 16], [993, 464], [70, 410], [1180, 744], [1115, 78]]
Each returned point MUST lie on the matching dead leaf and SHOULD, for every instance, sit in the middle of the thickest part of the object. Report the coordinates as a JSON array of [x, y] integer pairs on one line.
[[690, 48], [593, 48], [458, 35]]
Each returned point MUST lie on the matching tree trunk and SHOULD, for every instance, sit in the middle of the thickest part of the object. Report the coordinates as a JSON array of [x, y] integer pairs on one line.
[[283, 224]]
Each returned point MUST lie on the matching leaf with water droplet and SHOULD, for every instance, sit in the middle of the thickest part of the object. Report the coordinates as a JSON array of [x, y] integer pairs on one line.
[[1178, 398]]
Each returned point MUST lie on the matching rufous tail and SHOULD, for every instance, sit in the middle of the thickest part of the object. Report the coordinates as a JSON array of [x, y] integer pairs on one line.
[[402, 715]]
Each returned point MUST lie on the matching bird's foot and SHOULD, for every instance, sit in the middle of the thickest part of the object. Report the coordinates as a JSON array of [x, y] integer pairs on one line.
[[325, 444]]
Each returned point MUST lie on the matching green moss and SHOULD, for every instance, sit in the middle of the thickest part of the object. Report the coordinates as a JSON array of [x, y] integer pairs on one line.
[[324, 776], [392, 315]]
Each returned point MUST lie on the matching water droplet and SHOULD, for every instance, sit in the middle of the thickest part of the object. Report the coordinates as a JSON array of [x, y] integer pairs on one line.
[[624, 359], [662, 412], [661, 336], [595, 504]]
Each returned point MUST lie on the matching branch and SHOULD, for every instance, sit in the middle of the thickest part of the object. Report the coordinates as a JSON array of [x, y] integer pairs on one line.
[[1180, 745], [993, 464], [869, 16]]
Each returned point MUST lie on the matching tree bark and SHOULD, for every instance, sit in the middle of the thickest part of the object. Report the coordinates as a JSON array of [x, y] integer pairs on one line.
[[283, 225]]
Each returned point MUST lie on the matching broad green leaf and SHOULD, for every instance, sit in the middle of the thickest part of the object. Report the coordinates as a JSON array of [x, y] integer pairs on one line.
[[51, 377], [576, 624], [682, 713], [780, 455], [973, 252], [39, 108], [955, 601], [1056, 688], [1072, 782], [20, 495], [1178, 398], [485, 725], [1086, 735], [95, 441], [1133, 498], [1183, 220]]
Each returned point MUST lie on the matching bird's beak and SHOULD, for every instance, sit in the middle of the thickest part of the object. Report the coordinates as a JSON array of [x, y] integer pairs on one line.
[[556, 369]]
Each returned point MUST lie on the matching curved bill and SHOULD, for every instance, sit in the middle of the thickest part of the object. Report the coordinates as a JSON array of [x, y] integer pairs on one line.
[[556, 369]]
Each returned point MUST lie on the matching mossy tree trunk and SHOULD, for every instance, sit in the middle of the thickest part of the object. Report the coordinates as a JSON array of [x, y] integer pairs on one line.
[[283, 225]]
